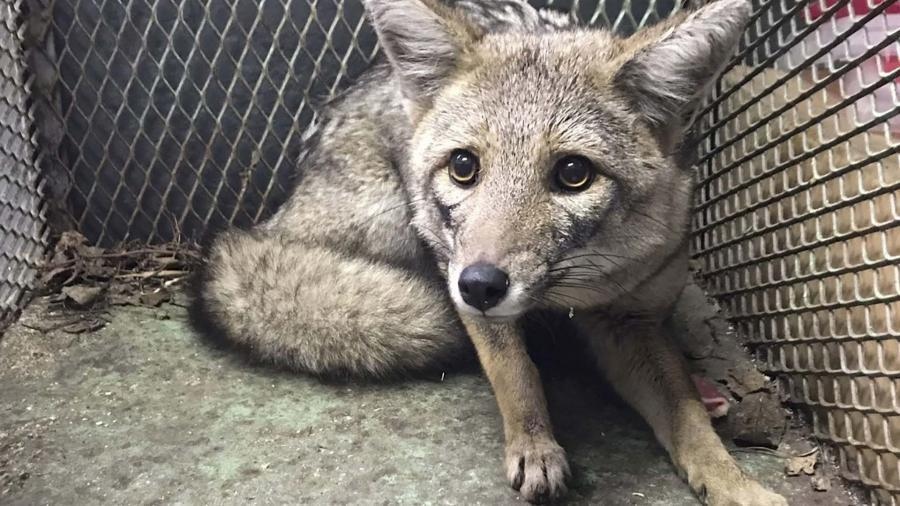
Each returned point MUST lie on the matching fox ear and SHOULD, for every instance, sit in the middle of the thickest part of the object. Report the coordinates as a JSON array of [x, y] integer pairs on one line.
[[422, 39], [666, 80]]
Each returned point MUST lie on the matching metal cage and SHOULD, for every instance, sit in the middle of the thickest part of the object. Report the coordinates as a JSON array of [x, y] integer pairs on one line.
[[156, 120], [797, 218]]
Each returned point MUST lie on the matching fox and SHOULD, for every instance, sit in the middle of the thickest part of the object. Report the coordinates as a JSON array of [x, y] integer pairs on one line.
[[498, 160]]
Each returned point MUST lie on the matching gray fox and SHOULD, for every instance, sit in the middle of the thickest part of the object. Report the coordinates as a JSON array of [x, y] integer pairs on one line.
[[501, 160]]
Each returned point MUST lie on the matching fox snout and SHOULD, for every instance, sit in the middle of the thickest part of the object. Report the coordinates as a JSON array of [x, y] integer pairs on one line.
[[483, 286], [493, 286]]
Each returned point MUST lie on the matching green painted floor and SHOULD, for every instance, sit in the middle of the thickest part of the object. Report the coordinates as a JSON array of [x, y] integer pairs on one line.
[[143, 412]]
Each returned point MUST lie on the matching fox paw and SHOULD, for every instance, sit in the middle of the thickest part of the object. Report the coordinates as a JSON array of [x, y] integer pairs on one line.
[[537, 468], [747, 493]]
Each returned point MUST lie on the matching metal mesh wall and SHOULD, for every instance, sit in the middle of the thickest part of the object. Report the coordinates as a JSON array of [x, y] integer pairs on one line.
[[22, 231], [797, 226], [184, 114], [181, 115]]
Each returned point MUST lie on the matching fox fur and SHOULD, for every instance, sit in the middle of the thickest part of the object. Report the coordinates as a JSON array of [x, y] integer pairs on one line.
[[358, 273]]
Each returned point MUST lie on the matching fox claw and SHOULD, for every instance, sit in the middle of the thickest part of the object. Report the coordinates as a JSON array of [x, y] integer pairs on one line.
[[537, 468]]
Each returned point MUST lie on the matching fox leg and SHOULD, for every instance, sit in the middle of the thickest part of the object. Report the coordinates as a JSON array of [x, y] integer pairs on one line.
[[648, 371], [536, 465], [323, 311]]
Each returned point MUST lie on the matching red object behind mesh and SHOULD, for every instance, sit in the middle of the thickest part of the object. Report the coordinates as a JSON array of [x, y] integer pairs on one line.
[[856, 7]]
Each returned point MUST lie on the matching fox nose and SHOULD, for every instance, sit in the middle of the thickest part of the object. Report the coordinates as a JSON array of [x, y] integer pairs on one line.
[[483, 286]]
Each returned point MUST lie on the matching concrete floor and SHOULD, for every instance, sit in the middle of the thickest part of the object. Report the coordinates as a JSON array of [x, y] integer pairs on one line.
[[143, 412]]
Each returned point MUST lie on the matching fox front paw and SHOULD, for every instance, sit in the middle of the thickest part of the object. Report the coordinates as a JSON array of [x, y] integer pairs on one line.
[[746, 493], [537, 468]]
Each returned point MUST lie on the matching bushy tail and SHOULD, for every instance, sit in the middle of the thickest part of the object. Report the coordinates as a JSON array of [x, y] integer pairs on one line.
[[323, 312]]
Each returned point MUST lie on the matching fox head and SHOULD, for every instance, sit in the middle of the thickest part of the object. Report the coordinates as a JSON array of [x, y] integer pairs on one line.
[[542, 167]]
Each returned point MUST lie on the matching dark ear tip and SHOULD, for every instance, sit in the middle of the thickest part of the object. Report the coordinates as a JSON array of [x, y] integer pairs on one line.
[[668, 77]]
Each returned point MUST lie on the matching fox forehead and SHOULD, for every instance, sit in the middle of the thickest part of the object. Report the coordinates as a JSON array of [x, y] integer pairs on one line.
[[591, 55], [520, 128], [550, 86], [535, 105]]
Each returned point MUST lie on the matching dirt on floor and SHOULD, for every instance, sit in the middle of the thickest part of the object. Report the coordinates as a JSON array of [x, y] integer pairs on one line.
[[126, 405]]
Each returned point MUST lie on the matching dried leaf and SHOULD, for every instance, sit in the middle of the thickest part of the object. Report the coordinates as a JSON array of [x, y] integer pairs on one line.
[[821, 483], [743, 379], [82, 296], [155, 299], [53, 275], [70, 239], [84, 326], [758, 420], [804, 464], [97, 268], [90, 251]]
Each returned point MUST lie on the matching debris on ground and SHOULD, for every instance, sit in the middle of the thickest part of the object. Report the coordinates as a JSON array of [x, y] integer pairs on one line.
[[20, 450], [82, 296], [155, 298], [802, 464], [182, 405], [821, 483], [732, 388], [81, 323], [743, 379], [88, 278], [758, 420]]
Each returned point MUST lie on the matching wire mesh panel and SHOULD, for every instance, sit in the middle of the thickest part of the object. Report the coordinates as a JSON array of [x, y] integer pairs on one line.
[[798, 218], [178, 116], [22, 231], [181, 115]]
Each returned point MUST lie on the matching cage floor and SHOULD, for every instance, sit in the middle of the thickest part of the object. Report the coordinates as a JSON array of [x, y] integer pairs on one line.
[[143, 412]]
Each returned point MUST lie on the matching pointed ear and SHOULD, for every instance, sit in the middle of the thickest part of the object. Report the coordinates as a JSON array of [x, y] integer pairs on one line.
[[667, 79], [423, 40]]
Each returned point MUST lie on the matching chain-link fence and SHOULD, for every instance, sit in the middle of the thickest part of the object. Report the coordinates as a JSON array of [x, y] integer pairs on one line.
[[22, 230], [183, 115], [161, 119], [797, 223]]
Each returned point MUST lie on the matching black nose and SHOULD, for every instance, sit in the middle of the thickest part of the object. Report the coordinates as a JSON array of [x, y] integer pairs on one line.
[[483, 286]]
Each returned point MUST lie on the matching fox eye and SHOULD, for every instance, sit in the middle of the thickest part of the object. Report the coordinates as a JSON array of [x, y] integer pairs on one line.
[[463, 167], [574, 173]]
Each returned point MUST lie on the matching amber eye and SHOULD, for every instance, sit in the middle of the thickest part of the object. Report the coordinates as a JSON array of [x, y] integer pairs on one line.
[[574, 173], [463, 167]]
